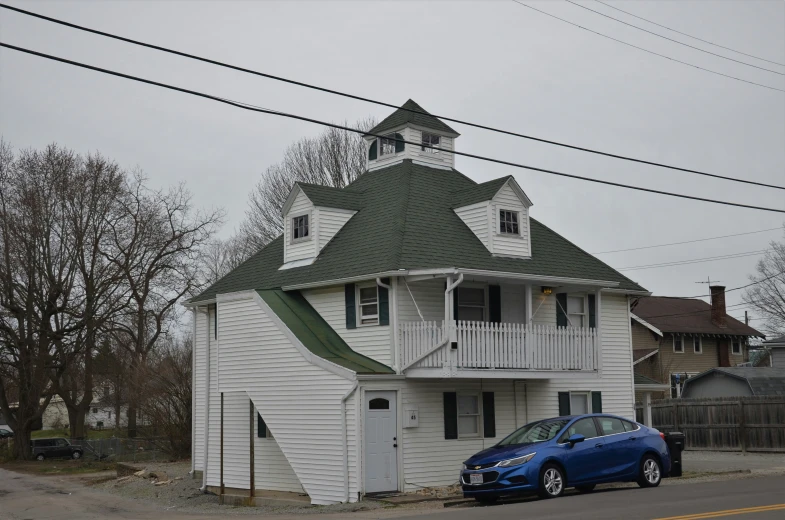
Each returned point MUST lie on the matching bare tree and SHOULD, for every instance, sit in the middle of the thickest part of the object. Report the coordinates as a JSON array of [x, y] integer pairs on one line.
[[37, 276], [158, 237], [221, 256], [767, 296], [333, 158]]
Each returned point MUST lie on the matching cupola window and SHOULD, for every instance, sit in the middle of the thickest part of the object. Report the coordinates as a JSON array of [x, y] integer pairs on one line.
[[430, 143]]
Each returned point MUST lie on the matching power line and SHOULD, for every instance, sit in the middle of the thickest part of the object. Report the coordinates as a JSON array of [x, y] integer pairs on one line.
[[672, 40], [691, 313], [693, 261], [741, 287], [686, 241], [384, 103], [690, 36], [246, 106], [648, 51]]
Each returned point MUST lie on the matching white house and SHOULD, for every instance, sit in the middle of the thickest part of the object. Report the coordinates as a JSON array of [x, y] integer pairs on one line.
[[398, 326]]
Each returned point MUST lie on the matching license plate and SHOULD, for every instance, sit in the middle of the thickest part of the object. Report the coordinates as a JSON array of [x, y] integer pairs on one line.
[[475, 479]]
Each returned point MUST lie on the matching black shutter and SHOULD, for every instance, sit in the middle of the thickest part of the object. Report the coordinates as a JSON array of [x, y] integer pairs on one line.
[[372, 151], [384, 303], [596, 402], [564, 403], [261, 427], [351, 309], [399, 144], [592, 311], [561, 310], [450, 415], [494, 304], [488, 415]]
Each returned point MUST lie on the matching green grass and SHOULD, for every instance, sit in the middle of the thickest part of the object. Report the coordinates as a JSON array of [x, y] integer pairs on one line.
[[58, 466], [91, 434]]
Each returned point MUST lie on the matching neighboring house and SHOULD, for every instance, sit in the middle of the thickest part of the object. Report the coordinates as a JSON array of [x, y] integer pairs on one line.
[[4, 423], [101, 415], [776, 351], [398, 326], [674, 339], [736, 382]]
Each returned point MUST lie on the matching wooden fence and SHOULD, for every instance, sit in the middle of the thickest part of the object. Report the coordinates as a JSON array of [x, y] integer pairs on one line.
[[724, 424]]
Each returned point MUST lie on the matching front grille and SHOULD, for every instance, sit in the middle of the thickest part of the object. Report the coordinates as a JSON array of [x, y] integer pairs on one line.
[[487, 478], [481, 466]]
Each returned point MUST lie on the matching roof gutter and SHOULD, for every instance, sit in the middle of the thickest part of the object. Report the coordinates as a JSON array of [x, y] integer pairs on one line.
[[342, 281], [346, 442]]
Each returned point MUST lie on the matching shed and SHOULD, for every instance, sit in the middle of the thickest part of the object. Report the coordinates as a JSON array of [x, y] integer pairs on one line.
[[736, 382], [776, 350]]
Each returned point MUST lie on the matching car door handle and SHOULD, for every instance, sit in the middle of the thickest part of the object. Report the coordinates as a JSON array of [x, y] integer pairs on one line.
[[598, 445], [633, 438]]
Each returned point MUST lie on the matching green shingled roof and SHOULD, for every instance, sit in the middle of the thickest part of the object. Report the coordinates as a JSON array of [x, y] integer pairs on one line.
[[402, 117], [478, 192], [407, 222], [316, 334], [331, 197]]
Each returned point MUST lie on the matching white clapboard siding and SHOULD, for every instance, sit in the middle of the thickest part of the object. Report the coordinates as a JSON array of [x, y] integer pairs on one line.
[[475, 216], [616, 358], [331, 220], [199, 388], [506, 244], [302, 248], [431, 460], [513, 300], [214, 412], [441, 158], [372, 341], [300, 402], [543, 307], [237, 440], [271, 469], [429, 295], [352, 429]]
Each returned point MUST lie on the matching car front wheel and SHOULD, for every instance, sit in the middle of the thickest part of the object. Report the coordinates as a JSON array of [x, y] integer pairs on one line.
[[551, 482], [40, 457], [76, 455], [650, 474]]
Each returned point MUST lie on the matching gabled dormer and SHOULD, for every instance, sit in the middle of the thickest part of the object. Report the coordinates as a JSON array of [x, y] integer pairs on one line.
[[312, 216], [413, 124], [497, 212]]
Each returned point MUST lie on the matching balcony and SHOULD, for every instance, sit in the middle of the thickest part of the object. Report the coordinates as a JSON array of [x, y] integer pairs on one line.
[[480, 349]]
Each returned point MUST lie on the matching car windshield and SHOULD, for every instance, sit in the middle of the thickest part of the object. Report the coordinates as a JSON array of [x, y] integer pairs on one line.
[[535, 432]]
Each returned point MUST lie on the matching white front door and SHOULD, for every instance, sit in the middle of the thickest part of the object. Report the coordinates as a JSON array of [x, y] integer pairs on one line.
[[381, 442]]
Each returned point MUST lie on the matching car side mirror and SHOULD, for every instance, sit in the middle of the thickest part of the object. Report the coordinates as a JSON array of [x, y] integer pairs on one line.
[[575, 438]]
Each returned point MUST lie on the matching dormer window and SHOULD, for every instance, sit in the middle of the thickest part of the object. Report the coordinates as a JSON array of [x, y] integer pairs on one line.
[[432, 141], [508, 222], [300, 227]]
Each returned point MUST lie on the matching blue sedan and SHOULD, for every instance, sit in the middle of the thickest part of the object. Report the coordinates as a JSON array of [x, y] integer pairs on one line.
[[576, 451]]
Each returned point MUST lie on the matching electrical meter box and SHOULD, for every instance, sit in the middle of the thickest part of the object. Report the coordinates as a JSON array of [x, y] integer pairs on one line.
[[411, 417]]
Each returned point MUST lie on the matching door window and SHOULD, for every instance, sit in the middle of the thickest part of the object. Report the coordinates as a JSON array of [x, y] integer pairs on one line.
[[610, 425], [630, 426], [379, 404], [583, 427]]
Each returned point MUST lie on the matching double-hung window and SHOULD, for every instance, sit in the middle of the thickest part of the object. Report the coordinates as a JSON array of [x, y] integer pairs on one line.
[[697, 346], [387, 145], [508, 222], [468, 415], [579, 403], [576, 311], [736, 347], [300, 227], [430, 140], [678, 344], [471, 303], [368, 304]]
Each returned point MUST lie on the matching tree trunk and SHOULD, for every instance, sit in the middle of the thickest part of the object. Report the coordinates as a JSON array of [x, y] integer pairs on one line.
[[131, 421], [76, 419], [22, 449]]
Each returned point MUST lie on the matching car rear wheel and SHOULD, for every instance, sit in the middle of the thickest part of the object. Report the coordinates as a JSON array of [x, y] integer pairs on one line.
[[585, 489], [551, 482], [76, 455], [40, 457], [650, 473]]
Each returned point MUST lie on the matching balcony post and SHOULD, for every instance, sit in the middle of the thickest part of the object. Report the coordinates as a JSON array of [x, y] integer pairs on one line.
[[598, 332]]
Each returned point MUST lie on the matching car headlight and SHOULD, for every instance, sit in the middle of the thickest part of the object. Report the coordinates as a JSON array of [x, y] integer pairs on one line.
[[516, 461], [465, 466]]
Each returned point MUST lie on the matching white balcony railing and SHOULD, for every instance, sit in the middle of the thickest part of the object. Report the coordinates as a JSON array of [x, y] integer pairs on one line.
[[483, 345]]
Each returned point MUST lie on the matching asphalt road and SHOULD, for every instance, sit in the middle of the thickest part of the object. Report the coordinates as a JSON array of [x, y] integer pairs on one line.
[[24, 497]]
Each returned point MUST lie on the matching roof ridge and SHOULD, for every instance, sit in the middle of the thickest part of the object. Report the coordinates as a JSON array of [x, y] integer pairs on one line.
[[398, 251]]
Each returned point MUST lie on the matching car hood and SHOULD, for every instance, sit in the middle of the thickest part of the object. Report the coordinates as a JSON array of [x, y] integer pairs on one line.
[[497, 453]]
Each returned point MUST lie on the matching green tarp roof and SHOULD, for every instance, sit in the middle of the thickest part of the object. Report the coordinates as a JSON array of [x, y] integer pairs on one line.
[[402, 117], [406, 221], [316, 334]]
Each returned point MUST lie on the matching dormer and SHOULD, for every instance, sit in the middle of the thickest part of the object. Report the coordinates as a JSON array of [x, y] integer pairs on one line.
[[497, 212], [413, 124], [312, 216]]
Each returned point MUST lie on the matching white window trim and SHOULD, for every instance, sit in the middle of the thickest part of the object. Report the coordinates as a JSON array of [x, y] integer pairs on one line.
[[700, 345], [486, 307], [587, 395], [358, 305], [379, 147], [291, 228], [431, 151], [741, 347], [674, 345], [499, 209], [480, 422], [585, 312]]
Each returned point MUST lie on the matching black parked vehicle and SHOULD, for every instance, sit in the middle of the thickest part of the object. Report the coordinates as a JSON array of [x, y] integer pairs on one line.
[[54, 449], [6, 434]]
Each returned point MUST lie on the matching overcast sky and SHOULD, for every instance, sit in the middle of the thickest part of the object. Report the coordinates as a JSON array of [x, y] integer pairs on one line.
[[495, 63]]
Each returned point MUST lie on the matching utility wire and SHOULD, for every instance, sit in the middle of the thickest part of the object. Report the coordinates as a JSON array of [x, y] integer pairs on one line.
[[692, 261], [672, 40], [688, 35], [647, 50], [361, 132], [383, 103], [691, 313], [739, 288], [686, 241]]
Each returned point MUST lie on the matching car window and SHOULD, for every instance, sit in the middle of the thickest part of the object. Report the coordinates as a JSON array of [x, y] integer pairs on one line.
[[630, 426], [583, 427], [62, 442], [610, 425], [535, 432]]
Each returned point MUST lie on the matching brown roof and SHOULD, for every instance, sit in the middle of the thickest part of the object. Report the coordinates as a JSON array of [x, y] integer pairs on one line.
[[687, 316]]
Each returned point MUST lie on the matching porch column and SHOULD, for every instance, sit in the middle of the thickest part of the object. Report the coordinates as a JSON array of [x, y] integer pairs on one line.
[[448, 317], [647, 409], [527, 291]]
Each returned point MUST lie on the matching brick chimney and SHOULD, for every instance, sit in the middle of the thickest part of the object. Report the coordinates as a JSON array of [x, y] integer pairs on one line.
[[718, 316]]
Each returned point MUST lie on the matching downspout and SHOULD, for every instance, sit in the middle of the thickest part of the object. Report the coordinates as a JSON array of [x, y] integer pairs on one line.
[[452, 334], [193, 397], [206, 435], [345, 439]]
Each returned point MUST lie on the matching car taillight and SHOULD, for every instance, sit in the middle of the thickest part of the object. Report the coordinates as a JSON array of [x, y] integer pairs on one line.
[[662, 435]]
